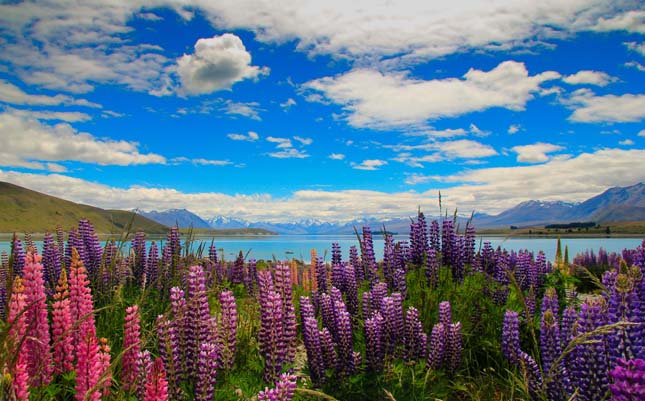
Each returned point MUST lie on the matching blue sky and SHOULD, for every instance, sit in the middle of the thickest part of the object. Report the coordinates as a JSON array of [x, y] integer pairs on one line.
[[282, 111]]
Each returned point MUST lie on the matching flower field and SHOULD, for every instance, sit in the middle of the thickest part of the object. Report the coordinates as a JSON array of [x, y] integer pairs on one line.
[[437, 317]]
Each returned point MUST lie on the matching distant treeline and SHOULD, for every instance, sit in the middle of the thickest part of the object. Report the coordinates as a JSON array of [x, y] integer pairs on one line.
[[586, 224]]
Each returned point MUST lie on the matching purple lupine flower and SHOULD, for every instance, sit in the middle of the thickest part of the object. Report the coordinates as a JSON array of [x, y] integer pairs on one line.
[[532, 372], [237, 272], [283, 286], [367, 305], [345, 363], [469, 245], [212, 254], [629, 380], [197, 316], [252, 275], [390, 332], [445, 314], [623, 306], [139, 250], [447, 233], [311, 339], [18, 256], [321, 275], [397, 315], [336, 256], [569, 317], [589, 373], [400, 284], [270, 336], [415, 243], [388, 259], [351, 289], [228, 329], [435, 240], [437, 346], [415, 347], [432, 268], [401, 254], [367, 255], [171, 353], [327, 346], [144, 364], [284, 389], [550, 351], [51, 261], [356, 263], [374, 347], [206, 372], [152, 265], [511, 337], [327, 313], [174, 244], [337, 279], [550, 302], [454, 347], [457, 258], [378, 292], [307, 309]]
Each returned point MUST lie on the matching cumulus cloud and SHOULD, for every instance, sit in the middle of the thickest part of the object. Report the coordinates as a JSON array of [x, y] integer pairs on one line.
[[635, 64], [285, 149], [590, 108], [287, 104], [336, 156], [487, 190], [631, 21], [216, 64], [26, 142], [201, 161], [441, 151], [642, 133], [535, 153], [68, 116], [303, 141], [249, 137], [514, 129], [598, 78], [626, 142], [387, 100], [370, 164], [636, 47], [249, 109]]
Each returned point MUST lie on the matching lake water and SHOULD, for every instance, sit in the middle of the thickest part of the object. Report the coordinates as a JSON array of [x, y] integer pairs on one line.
[[299, 246]]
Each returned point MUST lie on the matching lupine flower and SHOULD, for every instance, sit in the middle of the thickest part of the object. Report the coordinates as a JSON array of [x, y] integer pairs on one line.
[[152, 265], [206, 372], [327, 346], [388, 259], [629, 380], [228, 329], [171, 354], [327, 312], [374, 347], [283, 286], [104, 366], [415, 338], [453, 359], [437, 346], [63, 346], [17, 321], [356, 263], [623, 306], [432, 268], [51, 261], [511, 336], [321, 275], [270, 336], [131, 348], [351, 289], [237, 272], [367, 255], [284, 389], [311, 337], [590, 373], [551, 350], [156, 384], [39, 362], [139, 251], [345, 344], [18, 255], [144, 365], [178, 329], [197, 316]]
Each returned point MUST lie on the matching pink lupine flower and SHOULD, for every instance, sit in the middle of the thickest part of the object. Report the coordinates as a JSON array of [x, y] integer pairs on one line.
[[39, 360], [156, 385], [131, 348], [106, 374], [17, 330], [62, 327]]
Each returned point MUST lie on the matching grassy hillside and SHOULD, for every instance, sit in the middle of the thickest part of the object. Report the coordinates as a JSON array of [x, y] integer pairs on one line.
[[24, 210], [625, 228]]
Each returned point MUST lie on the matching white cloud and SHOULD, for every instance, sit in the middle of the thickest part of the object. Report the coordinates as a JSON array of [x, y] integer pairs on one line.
[[287, 104], [303, 141], [289, 153], [626, 142], [217, 64], [631, 21], [636, 47], [535, 153], [336, 156], [370, 165], [606, 108], [200, 161], [248, 109], [635, 64], [281, 143], [642, 133], [440, 151], [250, 137], [68, 116], [377, 100], [598, 78], [26, 142], [486, 190], [10, 93], [514, 129]]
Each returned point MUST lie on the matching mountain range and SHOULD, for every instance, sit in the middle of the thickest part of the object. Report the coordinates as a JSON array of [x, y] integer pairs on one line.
[[614, 205]]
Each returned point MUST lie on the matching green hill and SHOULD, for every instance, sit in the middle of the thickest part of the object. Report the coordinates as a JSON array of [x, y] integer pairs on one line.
[[24, 210]]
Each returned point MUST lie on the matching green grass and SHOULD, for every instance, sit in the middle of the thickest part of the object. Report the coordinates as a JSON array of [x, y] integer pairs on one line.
[[24, 210]]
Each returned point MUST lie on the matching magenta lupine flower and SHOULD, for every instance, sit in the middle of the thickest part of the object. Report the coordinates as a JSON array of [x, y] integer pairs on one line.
[[105, 375], [131, 348], [144, 366], [270, 336], [17, 321], [437, 346], [374, 347], [197, 316], [156, 385], [63, 346], [228, 329], [328, 352], [206, 372], [315, 361], [39, 362], [629, 380], [284, 389]]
